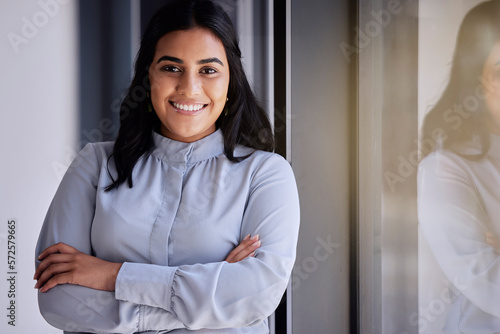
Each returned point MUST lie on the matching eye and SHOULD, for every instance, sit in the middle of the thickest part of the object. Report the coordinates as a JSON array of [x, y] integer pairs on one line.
[[208, 70], [170, 68]]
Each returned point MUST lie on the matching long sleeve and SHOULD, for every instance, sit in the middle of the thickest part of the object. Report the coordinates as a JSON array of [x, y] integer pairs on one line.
[[454, 222], [188, 208], [69, 220], [229, 295]]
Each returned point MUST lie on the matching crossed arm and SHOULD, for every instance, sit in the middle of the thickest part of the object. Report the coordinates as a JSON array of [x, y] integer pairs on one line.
[[76, 288], [63, 264], [457, 229]]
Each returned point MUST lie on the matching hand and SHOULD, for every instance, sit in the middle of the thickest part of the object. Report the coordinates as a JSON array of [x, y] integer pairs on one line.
[[245, 249], [63, 264]]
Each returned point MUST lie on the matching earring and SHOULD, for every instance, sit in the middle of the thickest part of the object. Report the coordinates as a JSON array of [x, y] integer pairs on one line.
[[226, 109], [150, 107]]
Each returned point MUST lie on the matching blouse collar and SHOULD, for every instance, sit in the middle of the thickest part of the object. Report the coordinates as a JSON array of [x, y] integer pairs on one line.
[[189, 153]]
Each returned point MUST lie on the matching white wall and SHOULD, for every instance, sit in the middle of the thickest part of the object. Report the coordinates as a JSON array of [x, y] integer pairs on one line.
[[38, 133], [439, 22]]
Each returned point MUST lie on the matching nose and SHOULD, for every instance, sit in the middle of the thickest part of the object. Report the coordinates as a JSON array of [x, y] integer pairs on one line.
[[189, 84]]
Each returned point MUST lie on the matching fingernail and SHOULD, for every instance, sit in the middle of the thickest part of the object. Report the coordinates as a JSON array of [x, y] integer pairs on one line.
[[255, 237], [252, 254], [246, 237], [257, 243]]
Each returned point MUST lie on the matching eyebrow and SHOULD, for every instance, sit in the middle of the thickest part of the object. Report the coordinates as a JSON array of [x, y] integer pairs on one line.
[[200, 62], [210, 60]]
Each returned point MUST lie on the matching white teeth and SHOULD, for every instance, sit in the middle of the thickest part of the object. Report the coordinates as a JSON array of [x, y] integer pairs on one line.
[[191, 107]]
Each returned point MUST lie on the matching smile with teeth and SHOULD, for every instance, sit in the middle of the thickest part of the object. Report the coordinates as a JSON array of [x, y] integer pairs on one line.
[[191, 107]]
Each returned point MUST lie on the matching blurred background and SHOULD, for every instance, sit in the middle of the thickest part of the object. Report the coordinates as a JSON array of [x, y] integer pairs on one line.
[[345, 84]]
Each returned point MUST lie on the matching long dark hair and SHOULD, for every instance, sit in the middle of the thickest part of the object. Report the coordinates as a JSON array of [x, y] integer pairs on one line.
[[460, 114], [246, 123]]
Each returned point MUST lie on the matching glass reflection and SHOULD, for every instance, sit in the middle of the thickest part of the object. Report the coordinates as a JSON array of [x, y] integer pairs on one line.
[[459, 178]]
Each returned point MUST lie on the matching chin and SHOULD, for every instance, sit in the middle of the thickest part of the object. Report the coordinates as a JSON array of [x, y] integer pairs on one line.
[[186, 135]]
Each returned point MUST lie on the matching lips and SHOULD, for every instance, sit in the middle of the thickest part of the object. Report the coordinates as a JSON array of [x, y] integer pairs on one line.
[[188, 108]]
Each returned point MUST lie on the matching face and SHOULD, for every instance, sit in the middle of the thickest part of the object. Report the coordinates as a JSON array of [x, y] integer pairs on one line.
[[189, 79], [491, 76]]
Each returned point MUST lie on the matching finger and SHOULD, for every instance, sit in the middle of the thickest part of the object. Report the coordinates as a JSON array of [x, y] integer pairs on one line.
[[246, 242], [250, 239], [247, 251], [50, 260], [56, 280], [244, 246], [60, 247], [52, 271]]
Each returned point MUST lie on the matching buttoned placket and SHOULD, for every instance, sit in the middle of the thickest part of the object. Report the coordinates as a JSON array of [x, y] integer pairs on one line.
[[160, 246]]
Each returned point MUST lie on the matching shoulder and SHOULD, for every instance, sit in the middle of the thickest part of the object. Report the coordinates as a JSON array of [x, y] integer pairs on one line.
[[445, 162], [459, 156], [444, 174], [101, 149], [96, 151], [262, 159], [262, 166], [86, 168], [92, 157]]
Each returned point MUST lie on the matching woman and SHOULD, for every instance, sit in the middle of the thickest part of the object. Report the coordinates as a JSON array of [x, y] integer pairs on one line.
[[459, 182], [152, 232]]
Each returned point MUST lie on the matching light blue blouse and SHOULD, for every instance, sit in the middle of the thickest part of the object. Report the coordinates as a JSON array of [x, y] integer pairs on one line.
[[188, 208]]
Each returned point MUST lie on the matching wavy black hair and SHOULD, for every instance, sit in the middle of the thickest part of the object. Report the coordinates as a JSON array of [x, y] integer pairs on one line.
[[460, 115], [246, 122]]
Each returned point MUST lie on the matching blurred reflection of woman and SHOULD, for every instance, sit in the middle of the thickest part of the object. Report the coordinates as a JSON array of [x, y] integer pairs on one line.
[[187, 222], [459, 179]]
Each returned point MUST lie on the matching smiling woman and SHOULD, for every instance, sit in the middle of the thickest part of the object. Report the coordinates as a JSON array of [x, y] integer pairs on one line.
[[189, 83], [188, 221]]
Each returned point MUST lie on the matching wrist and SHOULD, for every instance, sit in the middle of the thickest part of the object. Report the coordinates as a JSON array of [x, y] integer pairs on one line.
[[115, 269]]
